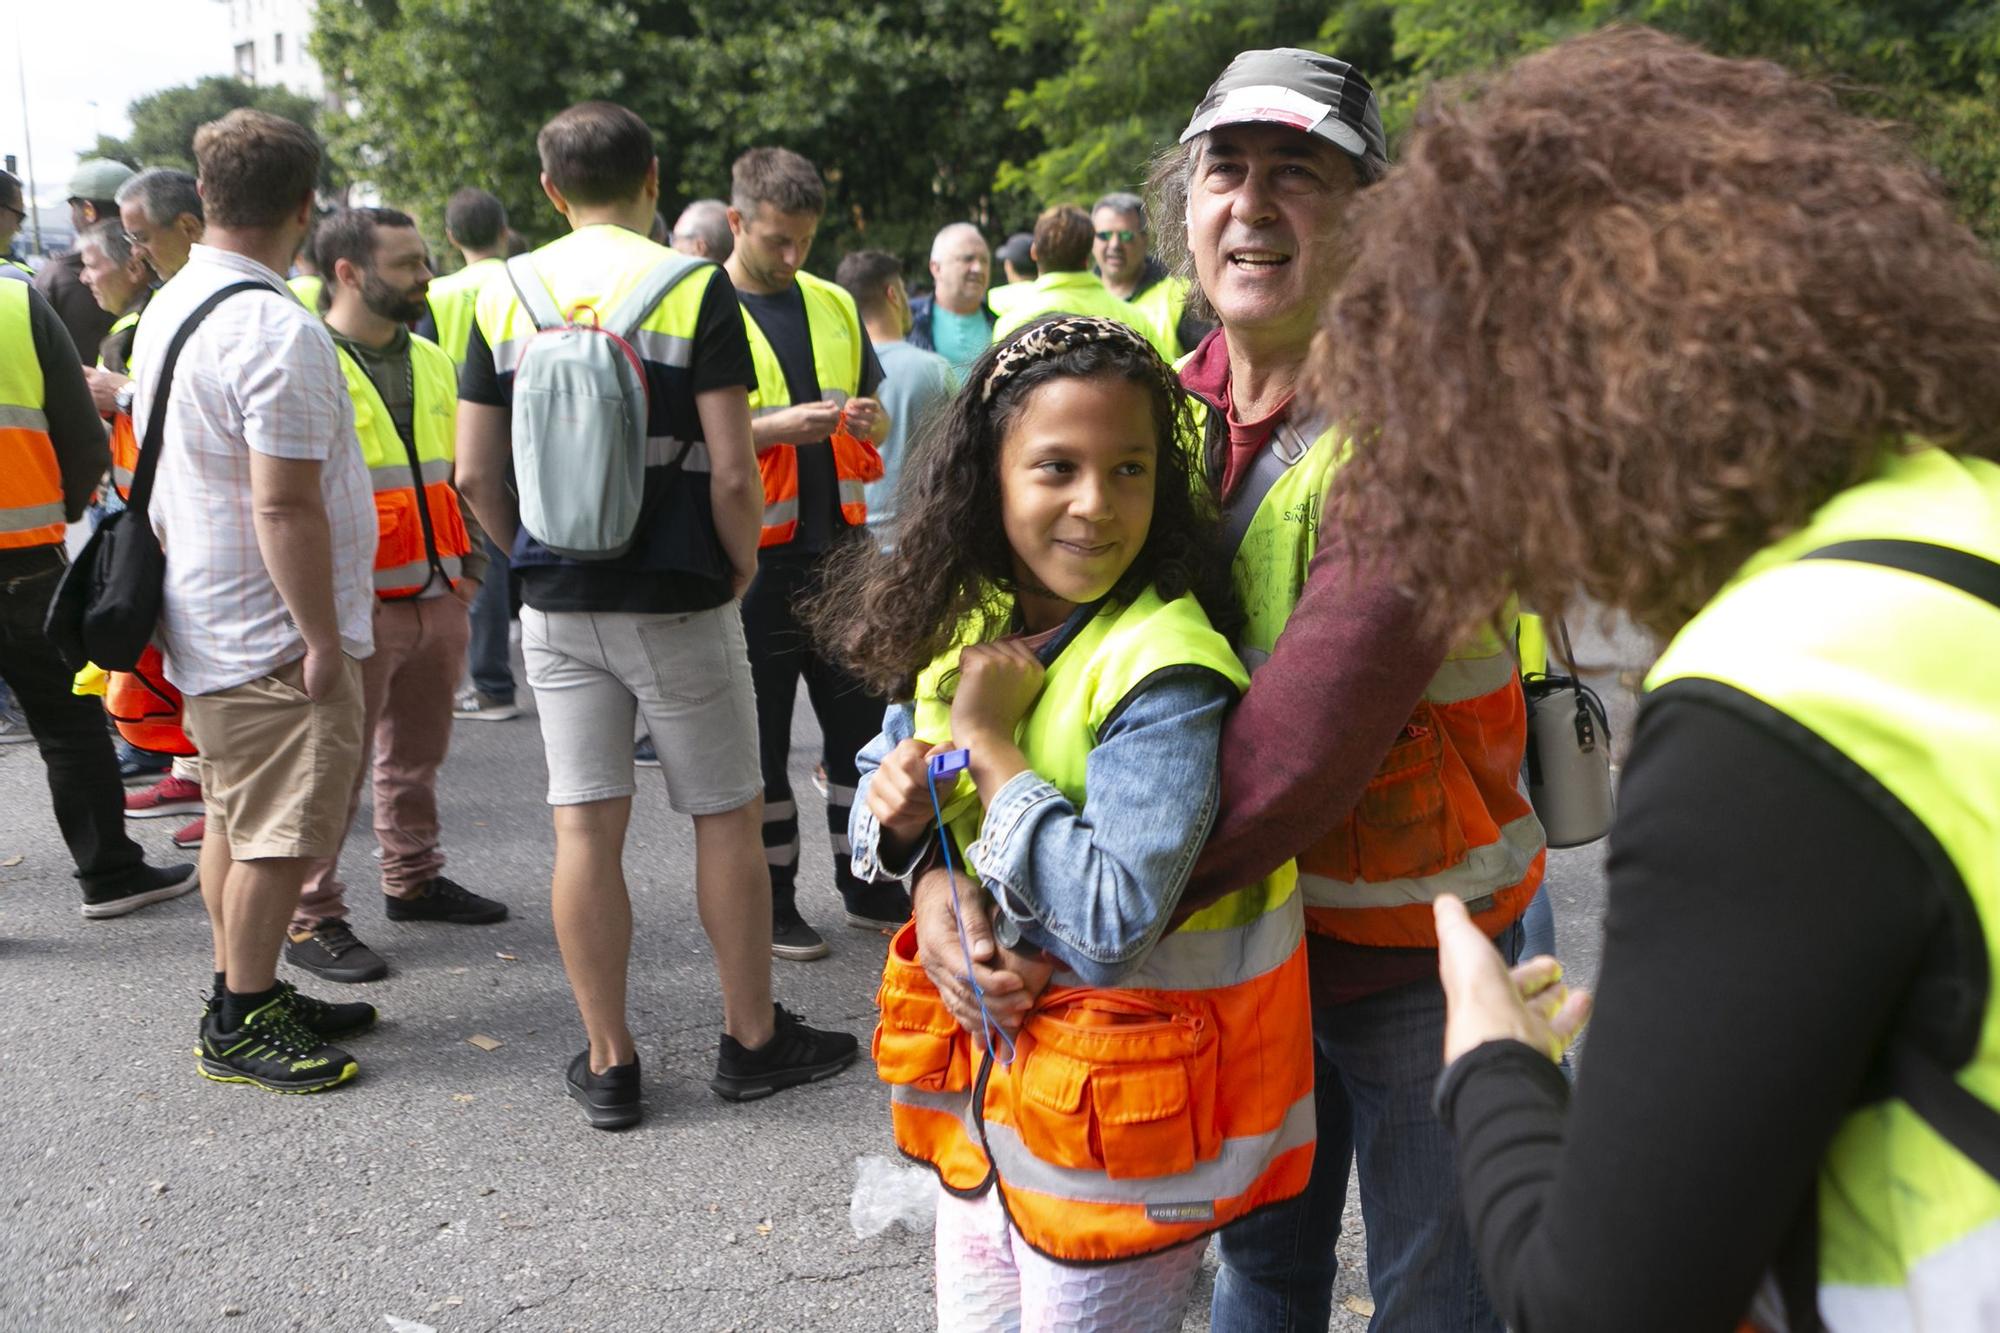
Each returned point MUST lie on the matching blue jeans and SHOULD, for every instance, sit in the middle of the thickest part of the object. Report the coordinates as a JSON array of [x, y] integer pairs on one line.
[[486, 654], [1376, 1061], [1538, 925]]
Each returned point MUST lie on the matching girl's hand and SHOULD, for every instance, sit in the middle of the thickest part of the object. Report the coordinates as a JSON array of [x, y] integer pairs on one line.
[[1486, 1002], [899, 794], [997, 683]]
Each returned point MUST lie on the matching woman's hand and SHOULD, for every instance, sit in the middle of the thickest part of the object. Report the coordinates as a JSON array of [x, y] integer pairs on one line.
[[1486, 1002], [899, 795], [997, 684]]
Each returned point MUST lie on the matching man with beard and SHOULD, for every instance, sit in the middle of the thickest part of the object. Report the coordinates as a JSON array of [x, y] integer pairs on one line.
[[428, 568]]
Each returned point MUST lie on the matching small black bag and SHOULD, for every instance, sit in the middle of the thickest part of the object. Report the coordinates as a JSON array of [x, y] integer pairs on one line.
[[108, 603]]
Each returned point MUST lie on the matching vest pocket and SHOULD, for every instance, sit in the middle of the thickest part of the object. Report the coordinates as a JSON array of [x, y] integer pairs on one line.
[[917, 1043], [1120, 1082], [1403, 827], [400, 534]]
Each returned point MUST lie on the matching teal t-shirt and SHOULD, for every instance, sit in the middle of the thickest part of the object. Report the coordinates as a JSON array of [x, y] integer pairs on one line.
[[958, 338]]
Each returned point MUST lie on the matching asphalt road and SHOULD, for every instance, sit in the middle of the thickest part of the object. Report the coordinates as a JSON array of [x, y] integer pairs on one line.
[[451, 1186]]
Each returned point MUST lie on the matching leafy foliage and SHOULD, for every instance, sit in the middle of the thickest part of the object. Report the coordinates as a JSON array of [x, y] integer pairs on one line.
[[163, 123]]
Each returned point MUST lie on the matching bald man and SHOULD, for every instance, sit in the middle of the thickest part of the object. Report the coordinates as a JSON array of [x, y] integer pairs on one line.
[[955, 320]]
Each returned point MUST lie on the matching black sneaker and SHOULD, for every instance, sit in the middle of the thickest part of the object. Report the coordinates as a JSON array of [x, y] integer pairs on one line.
[[609, 1100], [332, 952], [795, 1054], [442, 899], [792, 938], [273, 1050], [324, 1017], [878, 906], [155, 885]]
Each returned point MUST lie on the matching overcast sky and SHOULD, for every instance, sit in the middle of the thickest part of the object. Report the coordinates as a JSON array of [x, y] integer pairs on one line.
[[108, 53]]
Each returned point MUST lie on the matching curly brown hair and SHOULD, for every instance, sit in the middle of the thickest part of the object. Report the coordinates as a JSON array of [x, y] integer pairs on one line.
[[1627, 313]]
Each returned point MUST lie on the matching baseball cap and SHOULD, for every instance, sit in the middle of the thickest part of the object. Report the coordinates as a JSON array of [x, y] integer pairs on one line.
[[1015, 249], [98, 178], [10, 191], [1303, 89]]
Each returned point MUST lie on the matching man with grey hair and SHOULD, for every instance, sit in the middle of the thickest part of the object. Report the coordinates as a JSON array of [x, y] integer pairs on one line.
[[1121, 250], [161, 210], [702, 230], [955, 320], [91, 189]]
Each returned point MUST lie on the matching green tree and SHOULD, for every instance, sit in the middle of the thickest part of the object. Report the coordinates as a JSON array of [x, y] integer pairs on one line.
[[163, 123]]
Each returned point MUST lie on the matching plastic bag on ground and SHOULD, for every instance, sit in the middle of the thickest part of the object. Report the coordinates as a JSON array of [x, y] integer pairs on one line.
[[887, 1192]]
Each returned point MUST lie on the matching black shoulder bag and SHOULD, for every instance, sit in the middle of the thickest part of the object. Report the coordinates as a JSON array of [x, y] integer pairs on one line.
[[108, 603]]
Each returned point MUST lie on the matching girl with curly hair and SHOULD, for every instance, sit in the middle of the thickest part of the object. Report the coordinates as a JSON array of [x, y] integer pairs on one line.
[[1672, 332], [1111, 1091]]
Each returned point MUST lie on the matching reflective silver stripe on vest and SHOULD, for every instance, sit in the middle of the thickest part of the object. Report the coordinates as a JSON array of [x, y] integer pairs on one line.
[[1469, 677], [1952, 1290], [24, 418], [663, 349], [663, 449], [1229, 1173], [1207, 959], [121, 477], [396, 476], [852, 492], [29, 517], [1484, 869], [507, 355], [785, 511], [414, 574]]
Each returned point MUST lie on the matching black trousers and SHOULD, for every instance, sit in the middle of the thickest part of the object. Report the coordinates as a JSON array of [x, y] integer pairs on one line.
[[68, 728], [849, 716]]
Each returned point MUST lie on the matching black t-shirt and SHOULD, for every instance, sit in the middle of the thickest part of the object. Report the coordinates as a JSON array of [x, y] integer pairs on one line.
[[1767, 923], [653, 576], [782, 317]]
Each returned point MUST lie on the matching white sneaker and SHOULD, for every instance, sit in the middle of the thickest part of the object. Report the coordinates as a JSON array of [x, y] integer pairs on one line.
[[14, 728], [476, 707]]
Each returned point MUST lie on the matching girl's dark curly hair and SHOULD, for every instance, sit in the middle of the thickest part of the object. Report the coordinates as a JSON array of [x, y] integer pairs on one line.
[[1629, 312], [887, 616]]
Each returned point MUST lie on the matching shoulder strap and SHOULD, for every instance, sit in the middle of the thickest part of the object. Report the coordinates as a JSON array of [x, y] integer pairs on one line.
[[1962, 570], [625, 319], [535, 296], [1287, 445], [156, 420]]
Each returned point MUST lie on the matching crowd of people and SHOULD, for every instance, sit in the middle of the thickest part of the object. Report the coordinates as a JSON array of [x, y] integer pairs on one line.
[[1158, 609]]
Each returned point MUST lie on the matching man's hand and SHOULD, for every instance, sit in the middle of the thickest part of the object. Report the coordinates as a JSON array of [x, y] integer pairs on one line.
[[802, 423], [323, 670], [899, 795], [997, 683], [1009, 996], [466, 590], [104, 387], [1486, 1002], [864, 416]]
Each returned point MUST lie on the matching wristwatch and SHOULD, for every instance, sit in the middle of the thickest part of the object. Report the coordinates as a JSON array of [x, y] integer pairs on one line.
[[122, 400]]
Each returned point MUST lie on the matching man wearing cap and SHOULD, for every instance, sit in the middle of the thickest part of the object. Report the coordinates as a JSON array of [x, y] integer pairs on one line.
[[13, 212], [1130, 272], [1386, 762], [92, 191], [954, 320], [1016, 257]]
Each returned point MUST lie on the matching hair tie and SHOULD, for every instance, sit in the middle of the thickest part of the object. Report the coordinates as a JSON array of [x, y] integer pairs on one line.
[[1053, 338]]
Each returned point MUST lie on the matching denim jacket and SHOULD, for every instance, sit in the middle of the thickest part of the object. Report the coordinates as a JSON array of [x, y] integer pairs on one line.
[[1093, 887]]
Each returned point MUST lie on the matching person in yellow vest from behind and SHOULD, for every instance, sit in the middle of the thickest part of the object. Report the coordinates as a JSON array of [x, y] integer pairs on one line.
[[1067, 286], [475, 223], [427, 570], [51, 456], [1122, 251], [814, 417], [306, 281], [1161, 1085], [1789, 1113]]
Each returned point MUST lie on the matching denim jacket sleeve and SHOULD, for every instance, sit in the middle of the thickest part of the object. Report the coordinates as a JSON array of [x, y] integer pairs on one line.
[[1096, 887], [864, 834]]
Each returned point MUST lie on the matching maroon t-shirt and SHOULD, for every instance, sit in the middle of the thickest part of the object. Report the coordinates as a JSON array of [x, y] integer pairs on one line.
[[1298, 751]]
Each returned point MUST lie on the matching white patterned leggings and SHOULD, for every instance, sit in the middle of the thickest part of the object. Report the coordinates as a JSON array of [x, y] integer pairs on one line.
[[989, 1280]]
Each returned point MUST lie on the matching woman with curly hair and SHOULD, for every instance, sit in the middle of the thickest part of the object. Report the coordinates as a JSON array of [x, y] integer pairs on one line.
[[1133, 1088], [1672, 332]]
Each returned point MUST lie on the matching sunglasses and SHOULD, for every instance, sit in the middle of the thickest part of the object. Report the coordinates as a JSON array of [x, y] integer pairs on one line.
[[1122, 235]]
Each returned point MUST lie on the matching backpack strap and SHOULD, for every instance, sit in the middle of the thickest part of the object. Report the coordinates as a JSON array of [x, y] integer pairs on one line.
[[625, 319], [1287, 446], [534, 294]]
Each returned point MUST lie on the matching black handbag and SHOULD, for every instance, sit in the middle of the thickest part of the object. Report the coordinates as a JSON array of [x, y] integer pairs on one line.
[[108, 603]]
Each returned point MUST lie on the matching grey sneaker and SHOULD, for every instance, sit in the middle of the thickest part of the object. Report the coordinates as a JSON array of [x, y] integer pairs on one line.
[[472, 706], [792, 938]]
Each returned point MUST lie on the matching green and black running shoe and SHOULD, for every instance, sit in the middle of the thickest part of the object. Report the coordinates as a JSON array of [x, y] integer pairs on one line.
[[273, 1050]]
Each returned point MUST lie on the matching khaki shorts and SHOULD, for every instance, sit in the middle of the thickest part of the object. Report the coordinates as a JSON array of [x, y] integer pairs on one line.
[[686, 677], [277, 767]]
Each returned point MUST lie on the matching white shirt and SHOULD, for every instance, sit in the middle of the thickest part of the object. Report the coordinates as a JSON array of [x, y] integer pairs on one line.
[[258, 374]]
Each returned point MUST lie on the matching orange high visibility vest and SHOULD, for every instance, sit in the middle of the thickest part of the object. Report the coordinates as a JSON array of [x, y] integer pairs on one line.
[[146, 708], [834, 327], [31, 493], [1446, 811], [402, 550], [1136, 1117]]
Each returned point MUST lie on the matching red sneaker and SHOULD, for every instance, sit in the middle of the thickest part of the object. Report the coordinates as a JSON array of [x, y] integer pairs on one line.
[[188, 837], [169, 796]]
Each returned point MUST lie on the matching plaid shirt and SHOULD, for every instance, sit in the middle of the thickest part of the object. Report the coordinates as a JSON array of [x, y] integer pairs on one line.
[[258, 374]]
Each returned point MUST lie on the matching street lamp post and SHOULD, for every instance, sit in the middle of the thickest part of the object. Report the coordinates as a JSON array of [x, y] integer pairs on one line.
[[28, 141]]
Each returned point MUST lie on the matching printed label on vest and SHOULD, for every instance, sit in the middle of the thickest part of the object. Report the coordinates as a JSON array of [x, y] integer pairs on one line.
[[1180, 1212]]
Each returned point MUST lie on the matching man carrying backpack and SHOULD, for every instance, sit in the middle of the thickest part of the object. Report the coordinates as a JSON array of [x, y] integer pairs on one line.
[[636, 527]]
